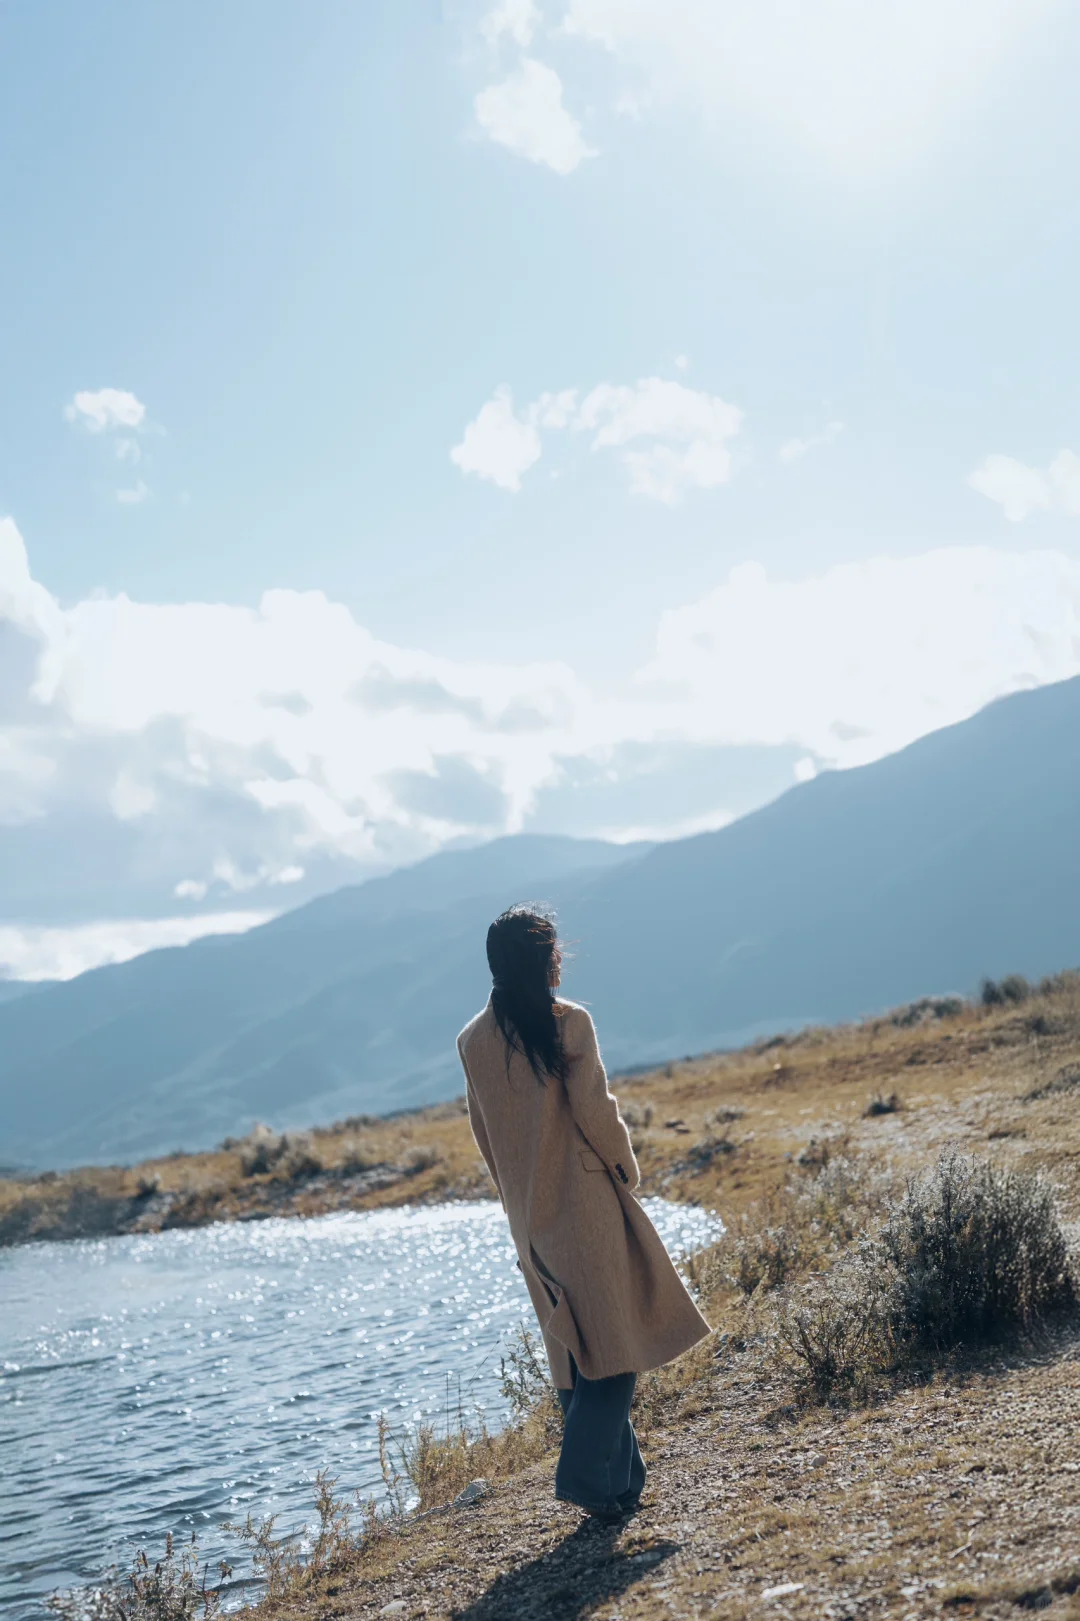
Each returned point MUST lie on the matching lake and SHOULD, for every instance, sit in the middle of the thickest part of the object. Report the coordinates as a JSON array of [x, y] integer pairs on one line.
[[176, 1380]]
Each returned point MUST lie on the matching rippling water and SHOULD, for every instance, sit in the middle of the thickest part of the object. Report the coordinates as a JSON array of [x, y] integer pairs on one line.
[[177, 1380]]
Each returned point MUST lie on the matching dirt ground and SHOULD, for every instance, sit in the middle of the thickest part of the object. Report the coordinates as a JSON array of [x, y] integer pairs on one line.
[[960, 1498], [957, 1495]]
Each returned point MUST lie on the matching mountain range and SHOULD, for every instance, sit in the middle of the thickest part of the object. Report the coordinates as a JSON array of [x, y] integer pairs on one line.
[[955, 858]]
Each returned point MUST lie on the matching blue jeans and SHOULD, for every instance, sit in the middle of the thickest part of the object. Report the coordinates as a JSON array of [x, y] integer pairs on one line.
[[600, 1466]]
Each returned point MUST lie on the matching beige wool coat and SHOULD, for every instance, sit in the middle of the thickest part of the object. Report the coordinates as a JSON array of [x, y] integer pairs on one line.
[[603, 1285]]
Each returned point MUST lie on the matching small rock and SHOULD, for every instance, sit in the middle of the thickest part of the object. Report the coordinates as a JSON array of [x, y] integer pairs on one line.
[[818, 1460], [784, 1590], [396, 1606], [472, 1493]]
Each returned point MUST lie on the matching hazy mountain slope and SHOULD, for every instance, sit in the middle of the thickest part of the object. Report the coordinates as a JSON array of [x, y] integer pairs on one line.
[[347, 1004], [12, 989], [957, 857]]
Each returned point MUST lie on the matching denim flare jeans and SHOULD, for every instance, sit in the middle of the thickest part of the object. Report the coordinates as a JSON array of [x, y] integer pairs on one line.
[[600, 1466]]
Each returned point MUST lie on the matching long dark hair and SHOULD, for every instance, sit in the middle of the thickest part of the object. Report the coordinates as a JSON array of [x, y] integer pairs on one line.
[[523, 954]]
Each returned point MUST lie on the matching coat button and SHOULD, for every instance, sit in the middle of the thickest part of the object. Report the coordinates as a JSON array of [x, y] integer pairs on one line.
[[622, 1173]]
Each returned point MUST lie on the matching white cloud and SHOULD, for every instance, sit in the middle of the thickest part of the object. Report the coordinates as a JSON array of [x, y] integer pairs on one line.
[[794, 449], [61, 953], [134, 495], [525, 113], [678, 435], [105, 408], [1065, 482], [689, 431], [299, 748], [860, 660], [866, 87], [498, 445], [128, 450], [1020, 490], [516, 20]]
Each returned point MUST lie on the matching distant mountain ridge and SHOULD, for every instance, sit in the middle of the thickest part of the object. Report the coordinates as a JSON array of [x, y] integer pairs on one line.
[[957, 857], [345, 1005]]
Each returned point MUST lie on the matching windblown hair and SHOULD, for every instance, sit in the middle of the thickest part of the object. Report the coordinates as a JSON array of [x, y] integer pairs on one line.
[[522, 951]]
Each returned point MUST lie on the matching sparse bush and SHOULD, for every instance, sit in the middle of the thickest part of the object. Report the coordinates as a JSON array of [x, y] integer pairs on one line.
[[439, 1466], [970, 1255], [926, 1009], [976, 1254], [803, 1226], [704, 1153], [1010, 991], [283, 1563], [881, 1104], [637, 1115], [354, 1157], [524, 1379], [175, 1588], [1057, 984], [835, 1333], [299, 1157], [260, 1150], [765, 1257], [420, 1158], [1066, 1080]]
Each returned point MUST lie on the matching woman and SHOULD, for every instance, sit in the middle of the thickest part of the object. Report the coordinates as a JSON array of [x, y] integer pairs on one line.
[[609, 1301]]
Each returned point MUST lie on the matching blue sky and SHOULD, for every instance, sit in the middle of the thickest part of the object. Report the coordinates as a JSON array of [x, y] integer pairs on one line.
[[490, 340]]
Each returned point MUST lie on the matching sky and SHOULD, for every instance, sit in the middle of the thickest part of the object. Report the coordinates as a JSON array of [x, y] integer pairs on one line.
[[425, 422]]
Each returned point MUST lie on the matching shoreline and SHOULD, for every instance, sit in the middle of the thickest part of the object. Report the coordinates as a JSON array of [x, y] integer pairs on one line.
[[688, 1152]]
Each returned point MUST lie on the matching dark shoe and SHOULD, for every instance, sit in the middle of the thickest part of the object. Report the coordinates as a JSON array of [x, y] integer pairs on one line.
[[614, 1515], [604, 1513], [629, 1503]]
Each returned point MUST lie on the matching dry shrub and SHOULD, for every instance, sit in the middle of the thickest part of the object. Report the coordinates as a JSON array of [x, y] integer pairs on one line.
[[638, 1116], [1065, 1081], [260, 1150], [977, 1254], [300, 1157], [420, 1158], [882, 1103], [355, 1157], [926, 1009], [439, 1466], [282, 1563], [970, 1255], [704, 1153], [1007, 992], [804, 1226], [175, 1588]]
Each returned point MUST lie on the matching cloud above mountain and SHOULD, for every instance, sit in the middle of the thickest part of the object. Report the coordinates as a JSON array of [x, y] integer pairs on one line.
[[159, 760]]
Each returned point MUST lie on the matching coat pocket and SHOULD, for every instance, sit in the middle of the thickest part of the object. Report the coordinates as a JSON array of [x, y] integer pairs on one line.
[[590, 1160]]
